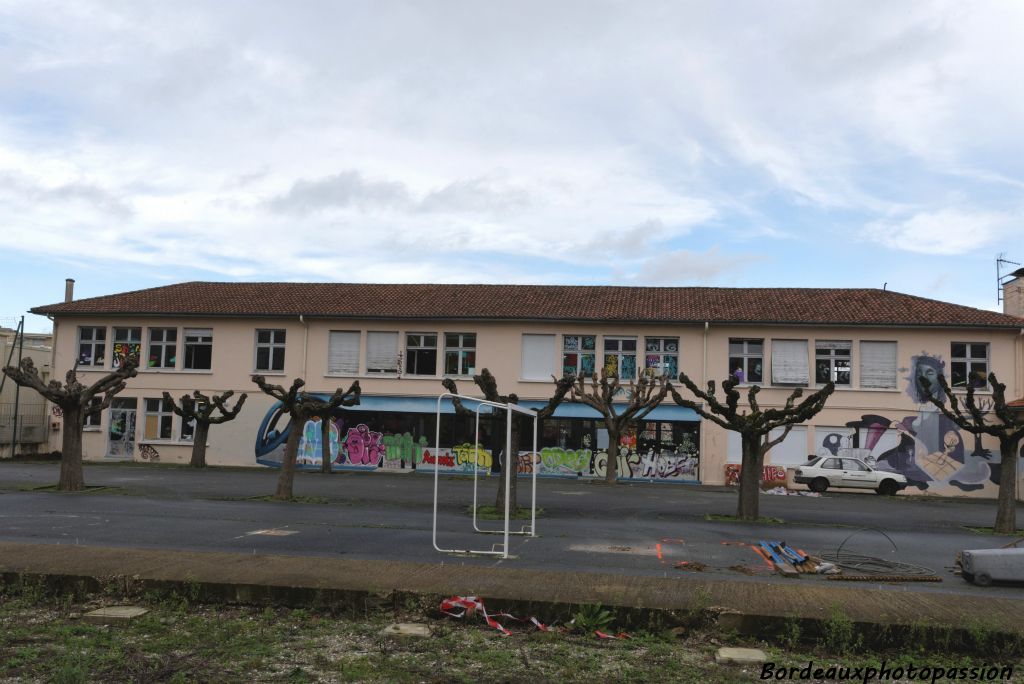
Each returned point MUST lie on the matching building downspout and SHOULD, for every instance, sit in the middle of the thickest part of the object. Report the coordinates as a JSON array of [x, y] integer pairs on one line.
[[305, 343], [701, 473]]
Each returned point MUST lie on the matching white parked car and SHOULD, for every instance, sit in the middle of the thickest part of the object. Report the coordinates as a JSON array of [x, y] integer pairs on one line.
[[834, 471]]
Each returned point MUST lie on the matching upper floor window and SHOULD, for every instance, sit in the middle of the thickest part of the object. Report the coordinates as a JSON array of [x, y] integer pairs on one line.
[[746, 360], [163, 348], [878, 365], [270, 350], [969, 365], [343, 352], [538, 357], [459, 353], [620, 356], [159, 418], [127, 346], [92, 346], [198, 349], [661, 356], [578, 355], [382, 352], [789, 362], [832, 362], [421, 354]]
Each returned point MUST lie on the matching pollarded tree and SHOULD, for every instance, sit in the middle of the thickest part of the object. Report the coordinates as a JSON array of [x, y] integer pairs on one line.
[[1007, 426], [488, 384], [201, 408], [76, 403], [641, 397], [754, 427], [301, 406]]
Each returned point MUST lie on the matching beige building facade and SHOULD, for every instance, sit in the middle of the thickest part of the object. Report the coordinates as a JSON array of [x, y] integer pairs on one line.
[[400, 341]]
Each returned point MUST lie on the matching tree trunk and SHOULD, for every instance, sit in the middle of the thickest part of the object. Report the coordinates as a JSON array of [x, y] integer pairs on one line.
[[291, 450], [325, 445], [611, 469], [1006, 511], [510, 459], [750, 478], [71, 477], [199, 444]]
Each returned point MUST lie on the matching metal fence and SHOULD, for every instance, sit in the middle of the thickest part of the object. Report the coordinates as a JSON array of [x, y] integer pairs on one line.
[[32, 423]]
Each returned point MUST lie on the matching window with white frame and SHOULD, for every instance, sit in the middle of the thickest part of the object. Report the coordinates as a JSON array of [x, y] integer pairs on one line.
[[92, 346], [159, 419], [789, 362], [968, 365], [661, 356], [163, 348], [459, 353], [579, 355], [127, 346], [538, 357], [620, 356], [198, 349], [343, 352], [382, 352], [746, 359], [421, 354], [188, 430], [832, 362], [93, 420], [878, 365], [270, 350]]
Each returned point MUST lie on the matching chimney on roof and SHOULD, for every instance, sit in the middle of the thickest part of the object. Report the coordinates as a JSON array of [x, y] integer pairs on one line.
[[1013, 294], [69, 289]]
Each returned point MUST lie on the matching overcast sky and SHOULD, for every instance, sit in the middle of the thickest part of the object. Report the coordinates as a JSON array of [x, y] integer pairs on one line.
[[635, 143]]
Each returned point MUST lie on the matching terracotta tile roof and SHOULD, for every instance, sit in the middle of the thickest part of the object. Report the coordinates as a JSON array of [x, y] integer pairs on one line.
[[540, 302]]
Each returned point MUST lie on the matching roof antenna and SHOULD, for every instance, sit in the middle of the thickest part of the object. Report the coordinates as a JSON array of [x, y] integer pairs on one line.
[[885, 285]]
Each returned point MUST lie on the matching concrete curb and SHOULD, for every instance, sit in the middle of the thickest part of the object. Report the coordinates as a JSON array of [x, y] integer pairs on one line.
[[361, 585]]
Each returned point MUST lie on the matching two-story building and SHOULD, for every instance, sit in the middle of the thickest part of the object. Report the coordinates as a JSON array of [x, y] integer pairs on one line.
[[399, 341]]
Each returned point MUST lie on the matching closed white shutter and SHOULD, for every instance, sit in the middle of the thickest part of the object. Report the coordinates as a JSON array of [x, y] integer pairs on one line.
[[789, 362], [538, 357], [878, 365], [382, 352], [343, 353], [792, 450]]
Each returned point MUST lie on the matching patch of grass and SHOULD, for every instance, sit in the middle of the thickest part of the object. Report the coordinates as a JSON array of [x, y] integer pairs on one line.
[[717, 517], [294, 499], [89, 489], [495, 513]]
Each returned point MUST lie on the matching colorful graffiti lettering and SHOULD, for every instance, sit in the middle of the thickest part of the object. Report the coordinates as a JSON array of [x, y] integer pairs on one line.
[[769, 474], [468, 453], [443, 460], [363, 446], [403, 448], [571, 462]]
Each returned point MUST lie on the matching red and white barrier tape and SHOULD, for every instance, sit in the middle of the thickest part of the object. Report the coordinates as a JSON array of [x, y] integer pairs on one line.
[[471, 604]]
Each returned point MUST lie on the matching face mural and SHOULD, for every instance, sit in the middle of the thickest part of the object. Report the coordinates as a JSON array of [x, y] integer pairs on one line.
[[657, 451], [927, 448]]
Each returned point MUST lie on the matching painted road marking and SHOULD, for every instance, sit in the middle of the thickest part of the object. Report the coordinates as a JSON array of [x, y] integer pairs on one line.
[[604, 548], [272, 532]]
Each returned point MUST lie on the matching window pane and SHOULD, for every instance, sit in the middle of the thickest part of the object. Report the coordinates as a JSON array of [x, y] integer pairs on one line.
[[958, 374], [469, 362], [430, 340], [279, 336], [652, 344], [263, 336], [589, 342], [822, 372], [736, 366], [754, 370], [165, 427], [735, 347], [262, 358], [611, 345], [153, 405], [959, 351], [469, 340], [979, 351], [412, 340], [451, 340], [571, 342], [587, 364], [451, 363], [278, 359]]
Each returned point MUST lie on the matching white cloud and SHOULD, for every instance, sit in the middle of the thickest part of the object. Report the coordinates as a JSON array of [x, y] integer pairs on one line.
[[947, 231]]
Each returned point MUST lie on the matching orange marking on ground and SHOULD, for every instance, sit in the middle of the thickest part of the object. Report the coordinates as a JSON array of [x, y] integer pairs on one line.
[[764, 556], [658, 547]]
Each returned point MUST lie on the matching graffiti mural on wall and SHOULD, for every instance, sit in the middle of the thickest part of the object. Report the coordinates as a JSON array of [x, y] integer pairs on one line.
[[770, 474], [928, 448], [366, 449]]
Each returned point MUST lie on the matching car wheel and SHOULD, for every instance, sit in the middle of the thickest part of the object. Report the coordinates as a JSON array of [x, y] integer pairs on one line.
[[819, 485], [887, 488], [982, 579]]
